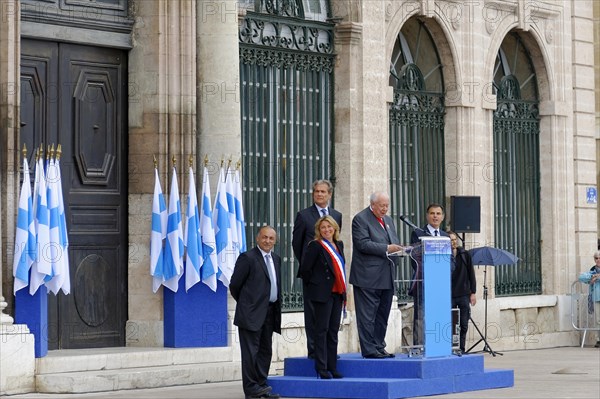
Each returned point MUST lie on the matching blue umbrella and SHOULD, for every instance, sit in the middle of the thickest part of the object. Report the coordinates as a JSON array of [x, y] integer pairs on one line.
[[492, 256]]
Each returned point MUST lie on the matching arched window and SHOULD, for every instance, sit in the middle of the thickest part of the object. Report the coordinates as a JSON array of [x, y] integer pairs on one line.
[[416, 125], [517, 169], [286, 73]]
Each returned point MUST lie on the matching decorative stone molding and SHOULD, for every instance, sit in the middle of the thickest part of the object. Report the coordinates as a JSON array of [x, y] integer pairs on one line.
[[348, 33]]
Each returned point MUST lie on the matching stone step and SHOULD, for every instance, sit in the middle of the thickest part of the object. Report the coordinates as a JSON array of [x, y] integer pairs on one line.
[[108, 369]]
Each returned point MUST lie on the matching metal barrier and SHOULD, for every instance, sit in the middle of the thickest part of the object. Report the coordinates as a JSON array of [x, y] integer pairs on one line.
[[582, 310]]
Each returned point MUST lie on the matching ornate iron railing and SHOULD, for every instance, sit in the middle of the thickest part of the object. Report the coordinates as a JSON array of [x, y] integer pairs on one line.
[[286, 73], [517, 191], [416, 124]]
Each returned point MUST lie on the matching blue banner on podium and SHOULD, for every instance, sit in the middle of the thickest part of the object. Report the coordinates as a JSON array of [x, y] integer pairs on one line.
[[437, 303], [32, 310], [197, 318]]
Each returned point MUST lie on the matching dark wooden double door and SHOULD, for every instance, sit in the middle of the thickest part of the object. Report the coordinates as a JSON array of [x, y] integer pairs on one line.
[[76, 96]]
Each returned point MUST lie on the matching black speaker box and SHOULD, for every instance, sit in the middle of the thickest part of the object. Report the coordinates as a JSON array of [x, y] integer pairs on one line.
[[466, 214]]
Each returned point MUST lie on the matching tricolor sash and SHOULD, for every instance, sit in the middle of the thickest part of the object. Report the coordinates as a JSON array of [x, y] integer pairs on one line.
[[337, 258]]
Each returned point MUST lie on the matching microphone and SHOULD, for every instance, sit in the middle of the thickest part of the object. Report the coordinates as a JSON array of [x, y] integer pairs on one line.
[[409, 223]]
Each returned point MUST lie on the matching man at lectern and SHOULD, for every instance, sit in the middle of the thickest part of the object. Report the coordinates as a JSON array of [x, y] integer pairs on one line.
[[372, 273], [435, 217]]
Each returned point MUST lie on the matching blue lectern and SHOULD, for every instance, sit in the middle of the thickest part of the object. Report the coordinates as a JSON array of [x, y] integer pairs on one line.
[[437, 304]]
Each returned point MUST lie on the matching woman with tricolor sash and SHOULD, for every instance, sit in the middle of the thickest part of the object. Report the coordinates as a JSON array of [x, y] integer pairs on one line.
[[323, 271]]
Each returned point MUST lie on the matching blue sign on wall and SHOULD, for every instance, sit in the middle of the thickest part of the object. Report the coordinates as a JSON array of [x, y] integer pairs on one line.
[[591, 195]]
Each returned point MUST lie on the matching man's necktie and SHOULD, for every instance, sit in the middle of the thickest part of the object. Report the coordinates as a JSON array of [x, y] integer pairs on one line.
[[324, 212], [272, 277], [436, 233]]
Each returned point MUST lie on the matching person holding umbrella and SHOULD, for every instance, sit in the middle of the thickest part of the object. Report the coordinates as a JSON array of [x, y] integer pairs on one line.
[[593, 279], [464, 286]]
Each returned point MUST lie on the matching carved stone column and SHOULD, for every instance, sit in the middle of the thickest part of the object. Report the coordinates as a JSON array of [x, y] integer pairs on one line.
[[17, 359], [218, 76]]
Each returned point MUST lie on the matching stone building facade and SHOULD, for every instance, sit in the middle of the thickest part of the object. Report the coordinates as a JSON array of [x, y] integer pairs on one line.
[[183, 97]]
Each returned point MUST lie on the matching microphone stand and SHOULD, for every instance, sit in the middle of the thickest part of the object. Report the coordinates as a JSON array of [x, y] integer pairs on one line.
[[486, 346]]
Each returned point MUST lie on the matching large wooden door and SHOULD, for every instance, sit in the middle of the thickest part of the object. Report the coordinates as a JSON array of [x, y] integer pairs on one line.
[[76, 96]]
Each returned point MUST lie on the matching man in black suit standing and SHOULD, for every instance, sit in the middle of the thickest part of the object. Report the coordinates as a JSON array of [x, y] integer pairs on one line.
[[435, 217], [256, 287], [303, 233], [373, 273]]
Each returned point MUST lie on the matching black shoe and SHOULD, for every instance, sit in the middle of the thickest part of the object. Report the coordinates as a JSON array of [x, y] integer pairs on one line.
[[336, 374], [323, 374], [260, 393], [386, 353], [375, 356], [271, 395], [597, 345]]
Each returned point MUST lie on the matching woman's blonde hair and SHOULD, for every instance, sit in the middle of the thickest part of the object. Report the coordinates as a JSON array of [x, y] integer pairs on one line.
[[331, 221]]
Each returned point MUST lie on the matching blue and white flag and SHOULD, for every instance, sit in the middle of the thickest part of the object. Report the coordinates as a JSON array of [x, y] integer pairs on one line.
[[191, 236], [25, 242], [158, 234], [55, 250], [225, 250], [42, 266], [207, 236], [65, 280], [230, 192], [239, 212], [173, 266]]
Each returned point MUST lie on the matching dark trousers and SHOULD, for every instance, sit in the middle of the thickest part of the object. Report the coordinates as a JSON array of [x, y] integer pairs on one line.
[[327, 324], [309, 324], [464, 305], [372, 312], [256, 348], [418, 333]]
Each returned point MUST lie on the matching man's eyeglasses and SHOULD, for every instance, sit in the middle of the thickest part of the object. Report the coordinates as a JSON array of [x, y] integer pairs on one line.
[[596, 257]]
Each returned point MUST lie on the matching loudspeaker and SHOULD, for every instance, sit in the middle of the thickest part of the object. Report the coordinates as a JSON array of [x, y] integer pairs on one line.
[[466, 214]]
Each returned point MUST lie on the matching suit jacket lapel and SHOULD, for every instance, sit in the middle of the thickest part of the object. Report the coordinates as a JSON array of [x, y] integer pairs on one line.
[[261, 261]]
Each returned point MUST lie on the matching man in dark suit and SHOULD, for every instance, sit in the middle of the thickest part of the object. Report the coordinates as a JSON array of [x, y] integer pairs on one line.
[[464, 287], [373, 273], [256, 287], [435, 217], [303, 233]]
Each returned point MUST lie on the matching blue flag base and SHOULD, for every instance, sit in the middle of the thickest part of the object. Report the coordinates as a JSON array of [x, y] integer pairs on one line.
[[197, 318], [400, 377], [32, 310]]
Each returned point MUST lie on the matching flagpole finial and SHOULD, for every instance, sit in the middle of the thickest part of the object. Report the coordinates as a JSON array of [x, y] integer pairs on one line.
[[52, 152], [48, 152], [222, 160], [238, 164], [155, 161], [41, 151], [174, 161], [58, 151], [24, 151], [191, 161], [205, 159]]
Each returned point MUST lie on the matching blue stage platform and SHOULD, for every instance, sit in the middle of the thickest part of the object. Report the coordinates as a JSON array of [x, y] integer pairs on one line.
[[399, 377]]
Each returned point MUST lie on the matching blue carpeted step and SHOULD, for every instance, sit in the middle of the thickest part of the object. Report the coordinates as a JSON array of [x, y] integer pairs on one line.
[[359, 388], [399, 377], [354, 365]]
